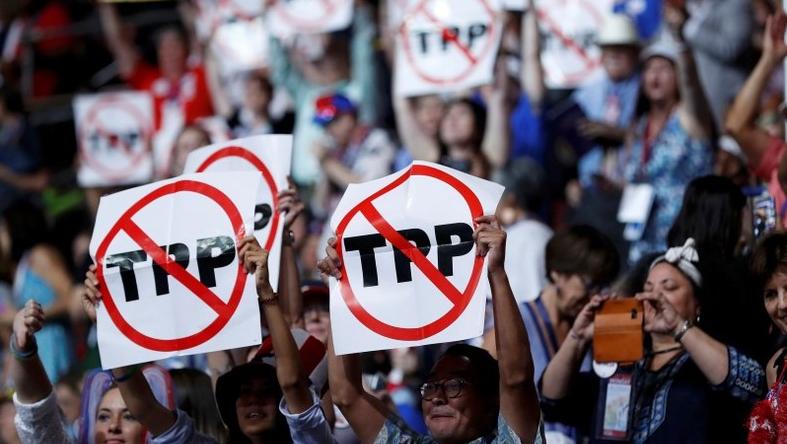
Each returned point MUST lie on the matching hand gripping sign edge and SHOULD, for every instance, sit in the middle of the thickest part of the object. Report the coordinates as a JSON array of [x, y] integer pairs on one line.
[[459, 299], [91, 115], [224, 311], [237, 151], [420, 8]]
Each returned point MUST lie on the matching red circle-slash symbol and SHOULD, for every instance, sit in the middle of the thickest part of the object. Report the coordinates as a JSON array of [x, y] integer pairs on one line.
[[328, 7], [459, 299], [454, 74], [552, 25], [236, 151], [223, 310], [92, 124]]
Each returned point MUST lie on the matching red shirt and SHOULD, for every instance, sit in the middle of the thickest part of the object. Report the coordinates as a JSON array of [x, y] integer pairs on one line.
[[768, 170], [190, 92]]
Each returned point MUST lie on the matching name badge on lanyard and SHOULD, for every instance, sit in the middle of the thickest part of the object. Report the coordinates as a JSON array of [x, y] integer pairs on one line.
[[634, 210], [615, 396]]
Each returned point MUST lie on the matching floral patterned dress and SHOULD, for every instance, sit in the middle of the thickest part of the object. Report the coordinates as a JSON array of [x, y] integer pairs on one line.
[[674, 159]]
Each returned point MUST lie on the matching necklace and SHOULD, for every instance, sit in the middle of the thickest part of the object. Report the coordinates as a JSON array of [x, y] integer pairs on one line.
[[666, 350]]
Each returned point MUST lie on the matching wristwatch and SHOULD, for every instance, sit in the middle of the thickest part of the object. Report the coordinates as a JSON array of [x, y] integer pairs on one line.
[[682, 329]]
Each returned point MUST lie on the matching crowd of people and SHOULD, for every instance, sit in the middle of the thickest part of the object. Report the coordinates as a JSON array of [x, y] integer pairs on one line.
[[659, 178]]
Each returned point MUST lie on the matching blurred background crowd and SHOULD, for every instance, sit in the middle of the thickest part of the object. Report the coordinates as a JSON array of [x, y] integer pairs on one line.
[[684, 96]]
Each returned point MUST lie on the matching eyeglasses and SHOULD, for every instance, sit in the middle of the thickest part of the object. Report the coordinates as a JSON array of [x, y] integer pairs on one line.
[[451, 388]]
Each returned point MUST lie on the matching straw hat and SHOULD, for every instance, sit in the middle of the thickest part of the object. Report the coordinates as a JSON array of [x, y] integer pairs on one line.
[[618, 30]]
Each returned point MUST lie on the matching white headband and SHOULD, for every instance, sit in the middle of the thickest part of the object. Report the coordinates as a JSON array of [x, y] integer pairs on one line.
[[684, 258]]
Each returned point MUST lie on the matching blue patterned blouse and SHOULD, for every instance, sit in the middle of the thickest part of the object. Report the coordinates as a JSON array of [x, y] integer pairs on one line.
[[396, 432], [675, 159]]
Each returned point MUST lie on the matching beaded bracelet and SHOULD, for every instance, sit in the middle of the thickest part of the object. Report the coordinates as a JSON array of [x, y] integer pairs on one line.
[[20, 355]]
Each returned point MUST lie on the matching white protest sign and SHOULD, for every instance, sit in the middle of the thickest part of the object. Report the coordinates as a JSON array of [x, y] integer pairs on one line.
[[213, 13], [514, 5], [445, 46], [240, 46], [114, 133], [286, 18], [268, 157], [568, 33], [410, 275], [167, 263]]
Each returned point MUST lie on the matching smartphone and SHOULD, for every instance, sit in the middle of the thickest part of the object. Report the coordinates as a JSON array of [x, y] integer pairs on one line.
[[764, 217], [618, 335]]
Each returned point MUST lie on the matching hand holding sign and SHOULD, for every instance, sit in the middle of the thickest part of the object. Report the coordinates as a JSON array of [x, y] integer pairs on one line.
[[255, 259], [491, 240]]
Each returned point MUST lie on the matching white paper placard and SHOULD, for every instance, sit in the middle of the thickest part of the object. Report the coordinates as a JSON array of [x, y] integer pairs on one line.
[[114, 133], [269, 157], [445, 46], [286, 18], [170, 277], [431, 294], [568, 34]]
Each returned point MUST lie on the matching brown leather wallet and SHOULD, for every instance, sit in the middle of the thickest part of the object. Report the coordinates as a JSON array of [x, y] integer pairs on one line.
[[618, 335]]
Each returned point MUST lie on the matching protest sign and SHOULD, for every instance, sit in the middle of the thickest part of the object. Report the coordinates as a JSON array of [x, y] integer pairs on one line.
[[286, 18], [446, 46], [568, 34], [114, 133], [210, 14], [410, 275], [171, 280], [267, 156], [240, 46]]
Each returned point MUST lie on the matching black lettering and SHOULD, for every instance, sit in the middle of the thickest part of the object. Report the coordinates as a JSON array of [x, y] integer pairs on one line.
[[365, 246], [449, 35], [401, 262], [262, 215], [475, 31], [131, 139], [95, 141], [180, 253], [207, 263], [423, 38], [125, 261], [447, 250]]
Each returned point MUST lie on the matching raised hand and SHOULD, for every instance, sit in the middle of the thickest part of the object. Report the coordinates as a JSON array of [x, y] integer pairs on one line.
[[331, 264], [773, 45], [91, 295], [290, 204], [491, 242], [255, 260], [660, 316], [582, 330], [27, 322]]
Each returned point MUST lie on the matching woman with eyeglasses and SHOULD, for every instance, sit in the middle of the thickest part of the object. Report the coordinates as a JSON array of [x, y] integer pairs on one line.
[[468, 397]]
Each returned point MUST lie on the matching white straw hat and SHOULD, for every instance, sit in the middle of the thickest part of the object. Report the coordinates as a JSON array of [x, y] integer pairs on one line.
[[618, 29]]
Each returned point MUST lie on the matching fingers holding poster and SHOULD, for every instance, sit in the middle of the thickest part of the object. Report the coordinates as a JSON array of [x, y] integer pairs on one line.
[[410, 274], [269, 157], [171, 287], [114, 133], [286, 18], [435, 34]]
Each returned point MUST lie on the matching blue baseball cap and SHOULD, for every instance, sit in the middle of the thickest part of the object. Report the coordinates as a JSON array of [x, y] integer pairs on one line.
[[327, 108]]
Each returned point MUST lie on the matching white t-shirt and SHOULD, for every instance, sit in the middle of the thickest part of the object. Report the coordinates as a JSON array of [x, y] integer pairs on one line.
[[525, 246]]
